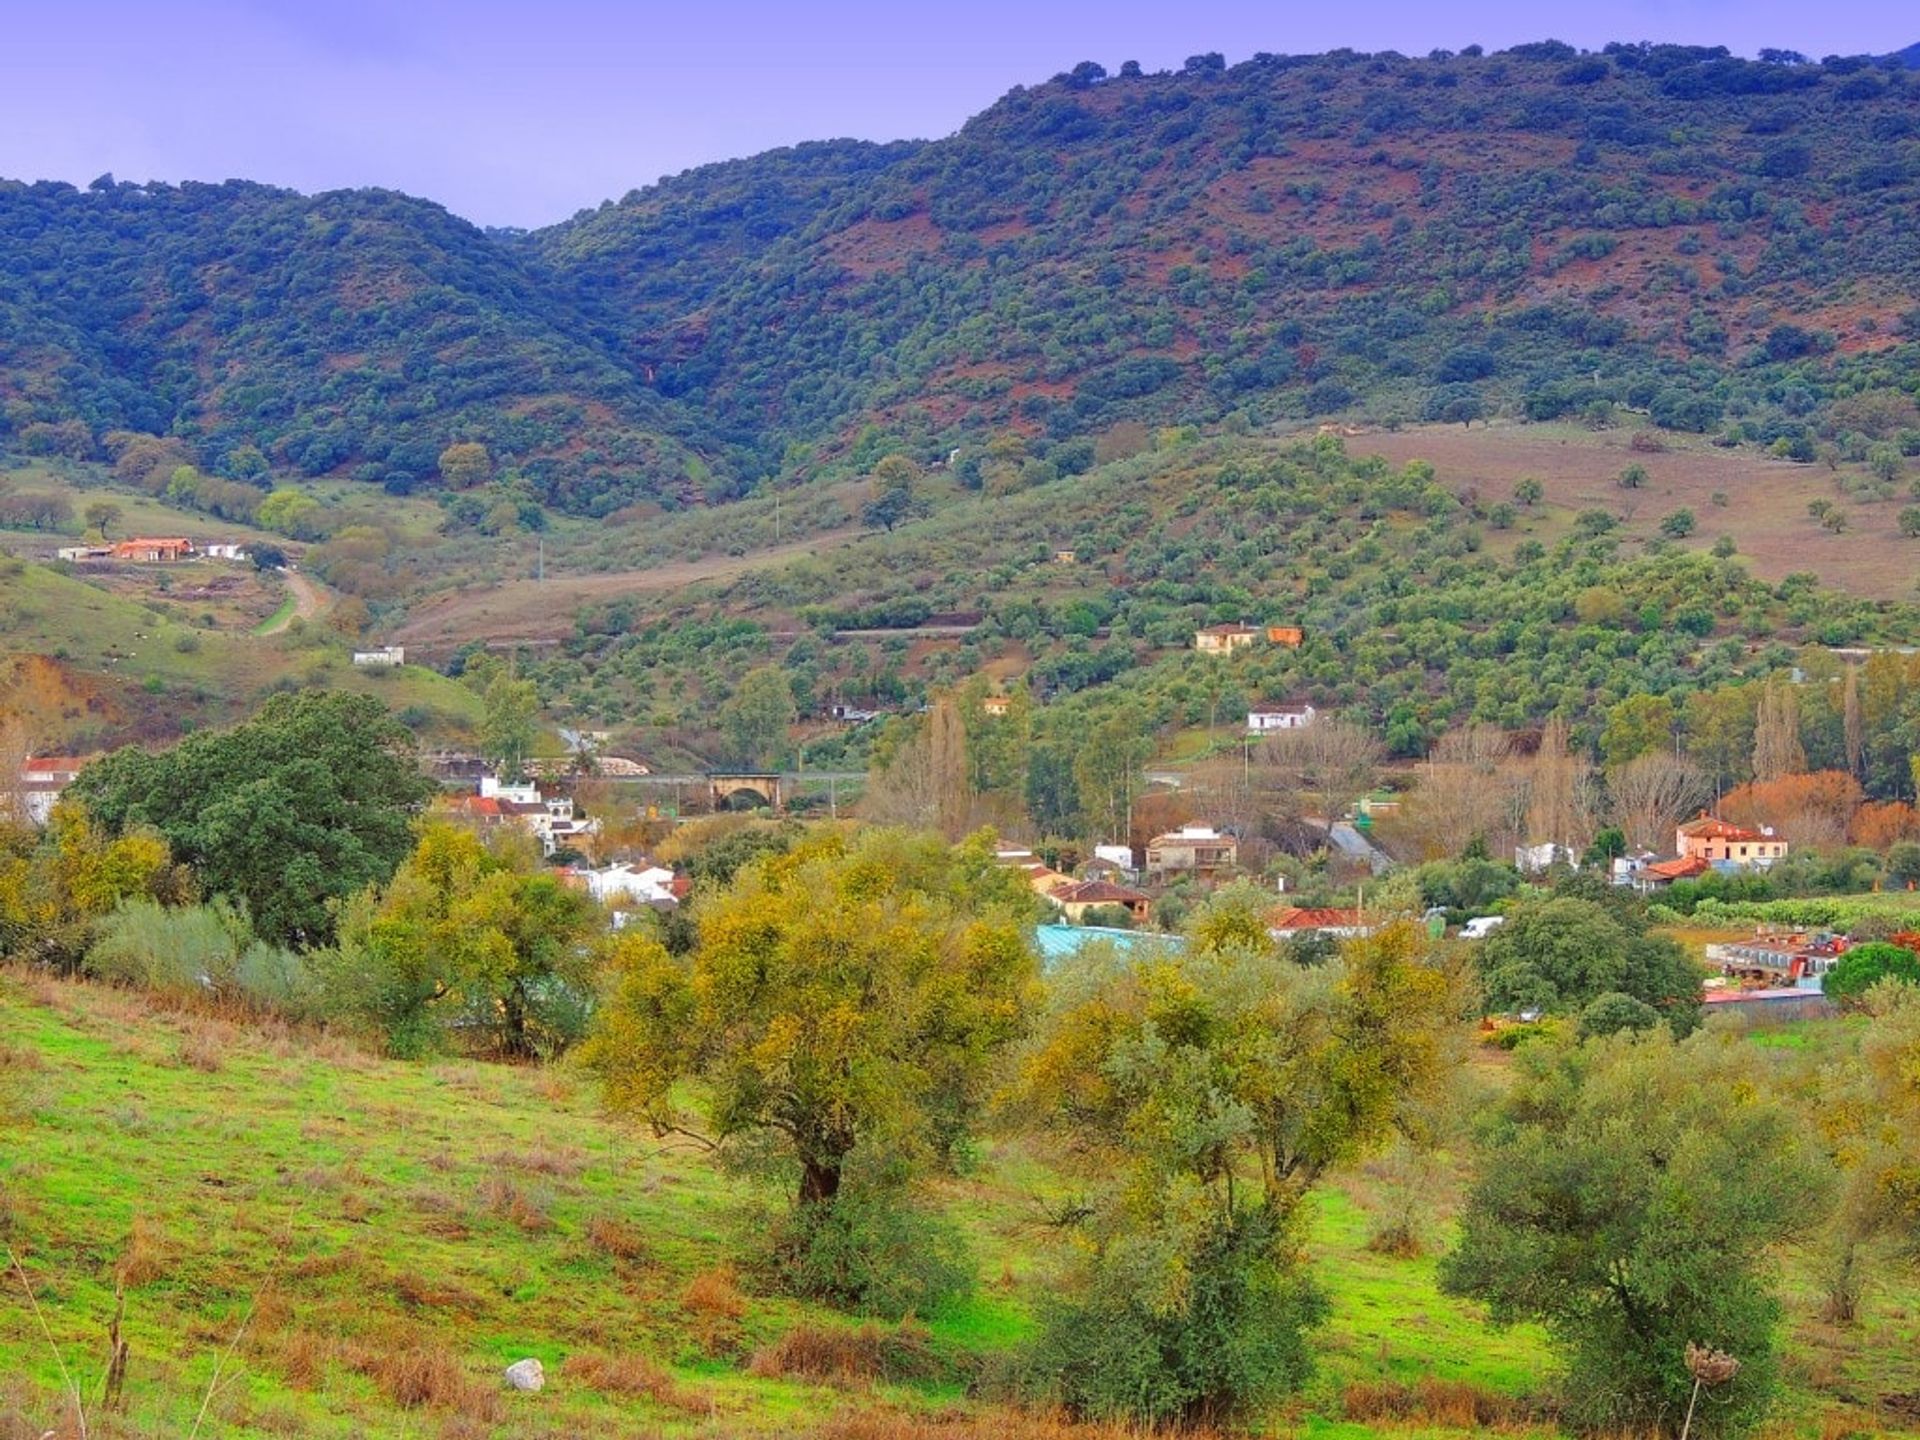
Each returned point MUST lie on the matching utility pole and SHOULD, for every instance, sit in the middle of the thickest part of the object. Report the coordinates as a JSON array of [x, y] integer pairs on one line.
[[540, 563]]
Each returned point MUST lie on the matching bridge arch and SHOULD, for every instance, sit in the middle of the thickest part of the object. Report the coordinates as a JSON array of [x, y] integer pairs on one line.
[[737, 790]]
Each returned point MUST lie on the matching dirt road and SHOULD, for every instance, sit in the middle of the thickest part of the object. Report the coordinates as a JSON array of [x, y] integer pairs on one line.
[[309, 600]]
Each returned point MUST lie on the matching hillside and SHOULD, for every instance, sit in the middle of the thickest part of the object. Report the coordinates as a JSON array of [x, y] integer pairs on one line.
[[376, 1239], [1715, 242]]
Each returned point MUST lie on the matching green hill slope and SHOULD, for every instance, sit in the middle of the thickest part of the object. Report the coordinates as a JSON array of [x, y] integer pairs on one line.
[[1712, 241]]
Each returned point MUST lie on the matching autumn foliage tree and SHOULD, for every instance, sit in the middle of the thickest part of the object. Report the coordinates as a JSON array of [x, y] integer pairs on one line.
[[1815, 810], [839, 1016]]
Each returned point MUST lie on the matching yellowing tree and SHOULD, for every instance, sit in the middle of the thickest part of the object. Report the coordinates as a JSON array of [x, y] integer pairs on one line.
[[469, 940], [845, 999], [465, 463]]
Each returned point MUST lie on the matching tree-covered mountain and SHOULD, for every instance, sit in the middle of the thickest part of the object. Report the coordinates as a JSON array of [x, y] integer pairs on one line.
[[1721, 243]]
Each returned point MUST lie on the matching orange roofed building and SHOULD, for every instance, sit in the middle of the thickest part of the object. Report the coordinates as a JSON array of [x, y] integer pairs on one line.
[[150, 551], [1716, 841]]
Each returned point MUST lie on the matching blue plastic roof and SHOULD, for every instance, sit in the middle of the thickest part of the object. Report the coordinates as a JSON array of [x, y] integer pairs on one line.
[[1062, 942]]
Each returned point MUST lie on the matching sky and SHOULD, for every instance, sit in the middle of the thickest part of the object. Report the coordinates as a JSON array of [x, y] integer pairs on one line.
[[523, 113]]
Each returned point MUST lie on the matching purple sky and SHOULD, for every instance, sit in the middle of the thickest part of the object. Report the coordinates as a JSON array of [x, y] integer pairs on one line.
[[521, 113]]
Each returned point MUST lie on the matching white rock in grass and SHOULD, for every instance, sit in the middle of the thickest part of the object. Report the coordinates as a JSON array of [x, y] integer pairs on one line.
[[528, 1375]]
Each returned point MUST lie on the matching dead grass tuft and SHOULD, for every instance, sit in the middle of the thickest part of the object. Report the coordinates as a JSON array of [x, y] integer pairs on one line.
[[145, 1259], [205, 1046], [1399, 1240], [425, 1376], [559, 1161], [303, 1358], [637, 1375], [1458, 1404], [528, 1209], [842, 1355], [714, 1307], [618, 1239]]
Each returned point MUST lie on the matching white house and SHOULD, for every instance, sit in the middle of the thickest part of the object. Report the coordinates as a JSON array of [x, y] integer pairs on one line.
[[224, 550], [1118, 856], [1280, 717], [385, 655], [652, 885]]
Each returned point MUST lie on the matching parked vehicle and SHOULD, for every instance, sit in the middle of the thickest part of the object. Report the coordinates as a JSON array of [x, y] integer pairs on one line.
[[1481, 926]]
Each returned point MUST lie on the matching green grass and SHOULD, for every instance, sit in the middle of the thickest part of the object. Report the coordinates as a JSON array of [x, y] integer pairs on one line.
[[279, 617], [356, 1207]]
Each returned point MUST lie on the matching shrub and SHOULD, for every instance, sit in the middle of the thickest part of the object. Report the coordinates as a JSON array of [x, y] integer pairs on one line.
[[874, 1250], [1238, 1340], [200, 952]]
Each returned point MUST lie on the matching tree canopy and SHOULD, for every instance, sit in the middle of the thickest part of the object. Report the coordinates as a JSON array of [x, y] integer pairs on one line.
[[291, 812]]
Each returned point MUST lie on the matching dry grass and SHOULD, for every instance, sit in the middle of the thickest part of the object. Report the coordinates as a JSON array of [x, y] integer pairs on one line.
[[714, 1307], [976, 1425], [561, 1162], [843, 1356], [526, 1208], [637, 1376], [423, 1375], [1455, 1403], [145, 1259], [302, 1357], [1767, 513], [618, 1240]]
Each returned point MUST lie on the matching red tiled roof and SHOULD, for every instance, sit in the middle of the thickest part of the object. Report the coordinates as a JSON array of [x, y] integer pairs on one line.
[[1685, 869], [1308, 917], [1712, 827], [1096, 892]]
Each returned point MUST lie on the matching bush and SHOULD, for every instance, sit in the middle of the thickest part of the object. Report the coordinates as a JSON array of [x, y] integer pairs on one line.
[[873, 1250], [201, 952], [1864, 966], [1238, 1340]]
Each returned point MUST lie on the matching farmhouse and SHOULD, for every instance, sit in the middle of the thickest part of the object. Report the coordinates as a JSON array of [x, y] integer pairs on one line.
[[1192, 849], [1065, 557], [1077, 898], [996, 704], [1715, 841], [225, 550], [84, 552], [1290, 636], [385, 655], [147, 551], [1224, 639], [1269, 718]]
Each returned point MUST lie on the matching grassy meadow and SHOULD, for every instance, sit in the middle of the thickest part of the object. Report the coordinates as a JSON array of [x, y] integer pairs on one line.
[[311, 1242]]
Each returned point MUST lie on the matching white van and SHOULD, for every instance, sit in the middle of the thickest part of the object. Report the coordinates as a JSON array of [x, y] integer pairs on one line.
[[1481, 926]]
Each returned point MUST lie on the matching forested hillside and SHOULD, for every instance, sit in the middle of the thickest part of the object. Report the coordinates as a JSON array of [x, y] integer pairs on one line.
[[1720, 243]]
